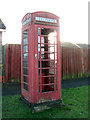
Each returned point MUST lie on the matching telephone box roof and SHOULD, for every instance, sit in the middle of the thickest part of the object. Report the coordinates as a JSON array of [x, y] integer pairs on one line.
[[41, 17], [41, 12]]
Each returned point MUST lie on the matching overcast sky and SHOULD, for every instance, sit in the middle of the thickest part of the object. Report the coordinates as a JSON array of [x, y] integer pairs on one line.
[[73, 18]]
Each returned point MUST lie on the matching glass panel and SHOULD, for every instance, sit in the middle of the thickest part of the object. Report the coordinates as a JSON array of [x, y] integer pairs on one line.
[[42, 45], [46, 31], [25, 63], [51, 71], [47, 88], [51, 41], [56, 63], [47, 64], [25, 86], [42, 55], [25, 33], [49, 48], [51, 56], [38, 47], [42, 49], [26, 79], [42, 39], [38, 39], [47, 80], [25, 71], [46, 71], [52, 37], [39, 72], [47, 56], [39, 64], [25, 56], [25, 48], [39, 55], [25, 41], [55, 33], [38, 31]]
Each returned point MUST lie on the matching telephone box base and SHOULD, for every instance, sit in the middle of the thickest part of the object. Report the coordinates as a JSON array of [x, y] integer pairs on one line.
[[42, 106]]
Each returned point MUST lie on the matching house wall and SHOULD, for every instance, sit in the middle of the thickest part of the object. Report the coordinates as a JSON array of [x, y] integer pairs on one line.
[[0, 56]]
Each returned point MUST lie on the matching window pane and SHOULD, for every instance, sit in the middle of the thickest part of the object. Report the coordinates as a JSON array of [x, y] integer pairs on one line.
[[47, 80], [42, 39], [55, 33], [25, 57], [49, 48], [46, 31], [39, 72], [46, 71], [25, 71], [51, 71], [47, 88], [39, 55], [39, 64], [25, 41], [26, 79], [25, 86], [25, 33], [38, 31], [42, 49], [25, 48], [46, 64], [38, 47], [47, 56], [25, 63], [38, 39]]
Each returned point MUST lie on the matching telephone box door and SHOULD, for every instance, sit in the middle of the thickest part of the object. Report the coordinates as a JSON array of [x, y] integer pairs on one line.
[[46, 59]]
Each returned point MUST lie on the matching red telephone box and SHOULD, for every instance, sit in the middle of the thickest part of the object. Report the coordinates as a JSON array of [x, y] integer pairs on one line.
[[40, 58]]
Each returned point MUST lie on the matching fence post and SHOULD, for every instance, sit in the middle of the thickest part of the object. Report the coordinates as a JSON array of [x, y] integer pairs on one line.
[[82, 61]]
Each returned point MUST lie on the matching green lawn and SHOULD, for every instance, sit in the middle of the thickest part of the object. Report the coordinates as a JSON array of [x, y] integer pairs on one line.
[[76, 100]]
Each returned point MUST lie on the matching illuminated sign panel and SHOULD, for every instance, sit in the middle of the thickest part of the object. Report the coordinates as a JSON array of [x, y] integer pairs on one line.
[[45, 19]]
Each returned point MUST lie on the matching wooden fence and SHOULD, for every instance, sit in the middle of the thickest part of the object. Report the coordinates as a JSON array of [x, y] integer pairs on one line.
[[11, 62], [74, 62]]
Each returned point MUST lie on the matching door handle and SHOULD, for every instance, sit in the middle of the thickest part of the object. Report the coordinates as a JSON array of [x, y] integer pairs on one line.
[[36, 56]]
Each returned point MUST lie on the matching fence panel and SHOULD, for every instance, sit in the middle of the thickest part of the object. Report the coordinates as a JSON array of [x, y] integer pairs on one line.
[[12, 62]]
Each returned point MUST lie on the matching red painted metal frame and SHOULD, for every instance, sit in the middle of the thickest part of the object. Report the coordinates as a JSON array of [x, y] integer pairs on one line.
[[33, 95]]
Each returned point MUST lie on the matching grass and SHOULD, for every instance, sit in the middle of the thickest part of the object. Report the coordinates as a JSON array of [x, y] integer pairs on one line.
[[76, 100]]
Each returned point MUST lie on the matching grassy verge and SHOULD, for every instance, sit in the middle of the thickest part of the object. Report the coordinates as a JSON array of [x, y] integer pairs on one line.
[[76, 100]]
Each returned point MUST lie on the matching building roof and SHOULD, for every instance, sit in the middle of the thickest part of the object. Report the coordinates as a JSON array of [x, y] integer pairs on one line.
[[83, 45], [69, 44], [2, 26]]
